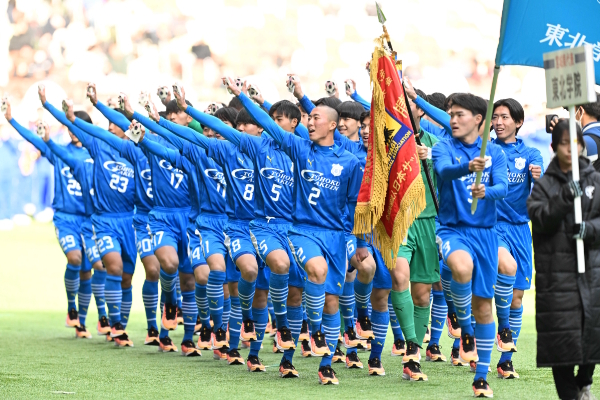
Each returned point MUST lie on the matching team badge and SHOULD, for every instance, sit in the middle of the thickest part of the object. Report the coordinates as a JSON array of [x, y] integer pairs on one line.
[[488, 162], [336, 169], [519, 163], [589, 192]]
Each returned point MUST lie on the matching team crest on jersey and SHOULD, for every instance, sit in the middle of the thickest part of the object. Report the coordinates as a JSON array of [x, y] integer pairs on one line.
[[589, 192], [336, 169], [488, 162], [519, 163]]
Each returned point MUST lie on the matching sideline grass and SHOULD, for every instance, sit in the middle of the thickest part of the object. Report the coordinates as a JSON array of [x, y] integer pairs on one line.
[[40, 358]]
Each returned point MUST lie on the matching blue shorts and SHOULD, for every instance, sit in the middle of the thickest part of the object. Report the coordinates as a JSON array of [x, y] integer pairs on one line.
[[517, 240], [262, 280], [114, 233], [267, 237], [143, 240], [194, 249], [68, 231], [482, 246], [212, 237], [382, 278], [89, 245], [169, 228], [238, 240], [308, 242], [232, 274]]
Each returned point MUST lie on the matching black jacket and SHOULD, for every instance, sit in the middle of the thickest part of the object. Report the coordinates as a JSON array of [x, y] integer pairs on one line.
[[567, 303]]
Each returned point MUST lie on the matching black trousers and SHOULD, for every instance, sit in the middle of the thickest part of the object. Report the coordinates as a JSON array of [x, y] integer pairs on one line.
[[568, 384]]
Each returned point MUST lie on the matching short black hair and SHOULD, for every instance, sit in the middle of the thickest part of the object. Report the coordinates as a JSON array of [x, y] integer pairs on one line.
[[162, 114], [421, 94], [332, 102], [324, 102], [560, 128], [475, 104], [350, 109], [302, 110], [236, 103], [243, 117], [448, 102], [172, 107], [364, 115], [514, 108], [287, 109], [83, 116], [227, 114], [592, 109], [437, 99]]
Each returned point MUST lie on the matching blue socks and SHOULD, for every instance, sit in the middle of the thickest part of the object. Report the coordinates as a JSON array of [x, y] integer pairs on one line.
[[178, 292], [150, 300], [261, 319], [226, 310], [278, 290], [331, 329], [235, 322], [446, 279], [246, 292], [315, 301], [516, 321], [214, 292], [190, 313], [202, 304], [126, 306], [294, 317], [362, 294], [484, 337], [461, 294], [347, 304], [396, 330], [72, 285], [439, 312], [98, 282], [114, 295], [168, 287], [379, 321], [503, 295], [271, 308], [84, 297]]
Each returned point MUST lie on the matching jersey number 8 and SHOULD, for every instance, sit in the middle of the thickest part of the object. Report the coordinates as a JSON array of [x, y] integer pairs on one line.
[[248, 192]]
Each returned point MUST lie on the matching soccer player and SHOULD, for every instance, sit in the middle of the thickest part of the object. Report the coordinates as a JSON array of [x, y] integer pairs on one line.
[[587, 116], [514, 236], [470, 242], [113, 220], [70, 230], [417, 264], [327, 180], [273, 169]]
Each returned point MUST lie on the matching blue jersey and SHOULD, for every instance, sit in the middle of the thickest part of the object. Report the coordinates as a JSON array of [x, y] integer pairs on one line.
[[211, 182], [238, 170], [451, 162], [144, 198], [513, 208], [327, 181], [67, 191], [114, 185], [273, 170], [169, 182]]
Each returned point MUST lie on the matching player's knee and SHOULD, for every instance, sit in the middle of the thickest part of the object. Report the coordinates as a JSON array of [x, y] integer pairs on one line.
[[74, 257], [437, 286], [461, 265], [84, 276], [126, 281], [279, 262], [168, 259], [367, 268], [294, 297], [507, 266], [420, 297], [216, 262], [187, 282], [379, 298], [98, 266], [201, 274]]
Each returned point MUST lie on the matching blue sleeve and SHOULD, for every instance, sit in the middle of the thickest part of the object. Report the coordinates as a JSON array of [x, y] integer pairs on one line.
[[62, 118], [177, 132], [63, 154], [591, 149], [444, 168], [499, 189], [302, 131], [171, 155], [356, 97], [159, 130], [267, 105], [537, 159], [93, 131], [261, 117], [432, 128], [113, 116], [439, 116], [104, 135], [353, 189], [307, 104], [31, 137], [212, 122]]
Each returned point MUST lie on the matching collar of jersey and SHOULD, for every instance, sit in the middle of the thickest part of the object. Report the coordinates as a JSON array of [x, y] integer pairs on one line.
[[337, 150], [274, 143], [470, 146], [518, 146], [592, 126]]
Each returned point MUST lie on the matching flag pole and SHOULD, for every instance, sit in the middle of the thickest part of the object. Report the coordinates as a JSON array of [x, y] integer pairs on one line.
[[424, 164], [486, 131], [575, 172]]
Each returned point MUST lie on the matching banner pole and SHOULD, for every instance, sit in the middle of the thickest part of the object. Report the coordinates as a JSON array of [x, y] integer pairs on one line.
[[575, 172], [486, 130]]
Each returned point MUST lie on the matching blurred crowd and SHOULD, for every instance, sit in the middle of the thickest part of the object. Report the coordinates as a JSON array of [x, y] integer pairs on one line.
[[133, 45]]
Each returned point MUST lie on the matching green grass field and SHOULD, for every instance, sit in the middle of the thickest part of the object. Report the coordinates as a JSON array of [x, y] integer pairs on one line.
[[40, 358]]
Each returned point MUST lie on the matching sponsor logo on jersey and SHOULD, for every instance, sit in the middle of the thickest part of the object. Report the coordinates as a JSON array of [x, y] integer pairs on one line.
[[166, 165], [517, 177], [146, 174], [89, 160], [66, 172], [318, 179], [119, 167], [336, 169], [243, 174], [519, 163], [277, 174], [215, 174]]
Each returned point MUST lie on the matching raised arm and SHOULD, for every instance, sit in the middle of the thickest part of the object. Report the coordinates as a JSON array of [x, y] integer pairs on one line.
[[171, 155], [444, 168], [181, 131], [61, 117], [439, 116], [62, 153], [260, 116], [356, 97], [159, 130], [113, 116], [31, 137]]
